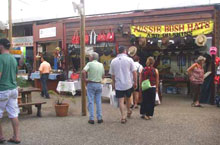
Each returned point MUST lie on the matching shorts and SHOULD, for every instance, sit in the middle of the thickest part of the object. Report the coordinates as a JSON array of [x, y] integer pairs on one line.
[[126, 93], [9, 102]]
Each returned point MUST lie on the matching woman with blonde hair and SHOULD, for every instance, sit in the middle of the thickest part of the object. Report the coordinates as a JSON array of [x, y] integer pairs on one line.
[[149, 95], [196, 76]]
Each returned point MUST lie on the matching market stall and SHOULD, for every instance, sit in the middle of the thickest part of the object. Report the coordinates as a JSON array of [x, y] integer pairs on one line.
[[175, 47], [48, 41]]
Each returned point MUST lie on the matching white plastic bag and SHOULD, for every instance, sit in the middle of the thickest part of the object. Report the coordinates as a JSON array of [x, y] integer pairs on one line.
[[157, 99], [113, 100]]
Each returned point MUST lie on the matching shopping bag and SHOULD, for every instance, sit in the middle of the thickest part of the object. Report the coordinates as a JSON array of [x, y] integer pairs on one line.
[[113, 100], [157, 99], [145, 85]]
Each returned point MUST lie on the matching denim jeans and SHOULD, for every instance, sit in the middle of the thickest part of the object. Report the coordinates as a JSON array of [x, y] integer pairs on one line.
[[44, 78], [94, 90]]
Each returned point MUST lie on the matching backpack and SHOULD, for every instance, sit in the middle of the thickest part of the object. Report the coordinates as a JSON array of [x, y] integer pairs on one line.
[[150, 73]]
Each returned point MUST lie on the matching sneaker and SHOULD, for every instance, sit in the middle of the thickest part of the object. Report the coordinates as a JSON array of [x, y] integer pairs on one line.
[[100, 121], [91, 122], [48, 97]]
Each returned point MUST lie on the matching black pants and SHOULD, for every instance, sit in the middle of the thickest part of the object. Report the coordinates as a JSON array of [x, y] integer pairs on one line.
[[44, 78], [148, 102]]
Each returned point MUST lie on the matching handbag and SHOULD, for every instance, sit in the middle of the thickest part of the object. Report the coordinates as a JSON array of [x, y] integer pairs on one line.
[[101, 37], [87, 38], [76, 38], [145, 85], [110, 36]]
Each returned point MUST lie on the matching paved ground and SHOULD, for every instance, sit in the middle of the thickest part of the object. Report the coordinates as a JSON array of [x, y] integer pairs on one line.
[[174, 123]]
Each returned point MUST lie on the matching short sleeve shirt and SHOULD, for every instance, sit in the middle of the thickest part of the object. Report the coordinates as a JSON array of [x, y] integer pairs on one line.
[[95, 71], [138, 67], [45, 67], [8, 69], [122, 67]]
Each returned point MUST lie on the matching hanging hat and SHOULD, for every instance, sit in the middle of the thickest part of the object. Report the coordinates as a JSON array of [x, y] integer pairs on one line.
[[189, 40], [165, 40], [132, 51], [201, 40], [132, 39], [154, 41], [142, 42], [57, 48], [156, 53]]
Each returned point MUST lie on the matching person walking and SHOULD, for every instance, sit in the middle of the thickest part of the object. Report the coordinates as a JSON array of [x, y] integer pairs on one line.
[[149, 95], [8, 90], [124, 77], [136, 95], [45, 70], [95, 72], [196, 75]]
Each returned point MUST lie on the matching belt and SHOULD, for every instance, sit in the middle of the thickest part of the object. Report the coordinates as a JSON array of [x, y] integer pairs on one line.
[[94, 82], [45, 74]]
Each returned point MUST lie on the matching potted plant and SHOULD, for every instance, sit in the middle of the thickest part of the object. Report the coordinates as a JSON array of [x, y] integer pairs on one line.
[[60, 107]]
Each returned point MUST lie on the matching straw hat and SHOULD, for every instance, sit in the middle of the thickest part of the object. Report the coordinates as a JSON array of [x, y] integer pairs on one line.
[[142, 41], [132, 51], [156, 53], [165, 40], [106, 81], [57, 48], [201, 40], [201, 58]]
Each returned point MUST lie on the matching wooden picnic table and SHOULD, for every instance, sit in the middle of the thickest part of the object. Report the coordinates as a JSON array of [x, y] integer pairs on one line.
[[27, 98]]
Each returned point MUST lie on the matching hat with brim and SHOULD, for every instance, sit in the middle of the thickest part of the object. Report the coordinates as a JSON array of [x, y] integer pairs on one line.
[[132, 51], [201, 58], [106, 81], [165, 40], [201, 40], [189, 40], [57, 48], [156, 53], [142, 42]]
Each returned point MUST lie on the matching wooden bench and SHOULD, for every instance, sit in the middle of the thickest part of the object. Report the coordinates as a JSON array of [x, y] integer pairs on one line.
[[37, 105], [27, 98]]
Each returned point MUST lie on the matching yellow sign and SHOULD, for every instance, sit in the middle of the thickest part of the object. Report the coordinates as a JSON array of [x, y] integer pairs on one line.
[[194, 29]]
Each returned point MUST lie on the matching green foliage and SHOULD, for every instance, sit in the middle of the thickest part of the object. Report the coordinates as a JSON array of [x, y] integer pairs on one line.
[[21, 82], [60, 98]]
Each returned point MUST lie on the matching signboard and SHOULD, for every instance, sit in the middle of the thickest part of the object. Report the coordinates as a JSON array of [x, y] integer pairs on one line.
[[159, 31], [47, 32], [22, 41]]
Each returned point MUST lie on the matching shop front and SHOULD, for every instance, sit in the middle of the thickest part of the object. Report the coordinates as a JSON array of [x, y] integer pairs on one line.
[[22, 50], [174, 37], [48, 41]]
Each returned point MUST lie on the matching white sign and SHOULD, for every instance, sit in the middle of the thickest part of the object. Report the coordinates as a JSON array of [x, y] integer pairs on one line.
[[22, 41], [47, 32]]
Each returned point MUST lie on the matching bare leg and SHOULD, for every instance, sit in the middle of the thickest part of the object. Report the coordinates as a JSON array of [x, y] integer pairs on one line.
[[1, 133], [136, 98], [128, 103], [15, 125], [132, 99], [122, 106]]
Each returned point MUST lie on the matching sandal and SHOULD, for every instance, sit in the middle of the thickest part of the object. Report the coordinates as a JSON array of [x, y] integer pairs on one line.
[[2, 140], [145, 117], [11, 140], [129, 114], [123, 121], [194, 105]]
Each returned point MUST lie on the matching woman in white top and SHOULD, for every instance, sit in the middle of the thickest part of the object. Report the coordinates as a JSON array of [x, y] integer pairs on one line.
[[139, 69]]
